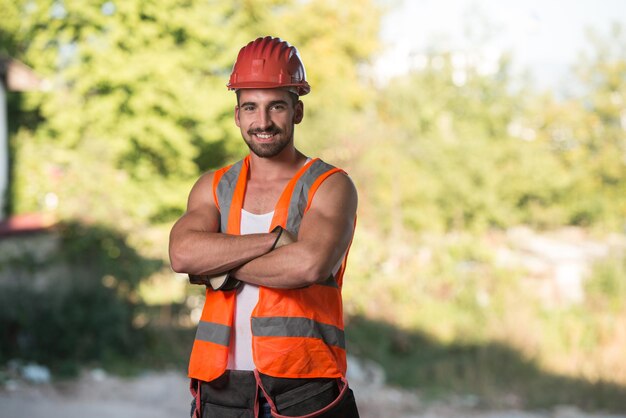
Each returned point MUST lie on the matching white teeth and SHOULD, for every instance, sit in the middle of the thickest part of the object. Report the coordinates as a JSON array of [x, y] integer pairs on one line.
[[264, 136]]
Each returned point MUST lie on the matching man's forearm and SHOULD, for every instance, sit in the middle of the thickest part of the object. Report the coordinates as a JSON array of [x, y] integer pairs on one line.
[[199, 252], [292, 266]]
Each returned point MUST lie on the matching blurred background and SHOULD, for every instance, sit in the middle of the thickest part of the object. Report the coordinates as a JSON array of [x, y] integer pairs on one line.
[[487, 140]]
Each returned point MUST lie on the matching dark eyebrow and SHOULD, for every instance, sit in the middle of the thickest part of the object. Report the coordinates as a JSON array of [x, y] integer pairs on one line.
[[275, 102], [272, 103]]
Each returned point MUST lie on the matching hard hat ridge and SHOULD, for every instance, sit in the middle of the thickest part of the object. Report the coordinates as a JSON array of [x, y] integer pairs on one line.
[[269, 62]]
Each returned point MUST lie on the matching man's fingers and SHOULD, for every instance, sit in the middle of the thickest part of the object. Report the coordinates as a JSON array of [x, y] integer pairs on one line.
[[221, 281], [285, 238]]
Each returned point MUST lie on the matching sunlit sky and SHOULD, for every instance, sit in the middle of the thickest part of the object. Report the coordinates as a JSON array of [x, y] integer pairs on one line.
[[544, 36]]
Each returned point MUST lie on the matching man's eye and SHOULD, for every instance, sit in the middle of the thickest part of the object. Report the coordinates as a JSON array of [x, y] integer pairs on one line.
[[278, 107], [248, 108]]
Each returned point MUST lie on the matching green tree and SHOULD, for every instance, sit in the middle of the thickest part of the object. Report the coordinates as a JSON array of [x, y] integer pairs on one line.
[[138, 106], [586, 133], [453, 153], [603, 142]]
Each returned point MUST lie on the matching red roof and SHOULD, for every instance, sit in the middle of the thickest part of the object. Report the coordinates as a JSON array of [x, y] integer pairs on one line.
[[26, 224]]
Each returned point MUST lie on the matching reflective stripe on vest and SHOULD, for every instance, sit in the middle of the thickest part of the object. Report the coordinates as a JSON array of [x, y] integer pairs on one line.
[[300, 195], [298, 327], [213, 333], [224, 191], [295, 332]]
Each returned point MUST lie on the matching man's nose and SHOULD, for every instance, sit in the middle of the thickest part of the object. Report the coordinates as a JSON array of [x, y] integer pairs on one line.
[[264, 121]]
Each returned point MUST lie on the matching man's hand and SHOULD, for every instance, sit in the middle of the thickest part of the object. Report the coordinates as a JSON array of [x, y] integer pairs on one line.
[[284, 237], [223, 281]]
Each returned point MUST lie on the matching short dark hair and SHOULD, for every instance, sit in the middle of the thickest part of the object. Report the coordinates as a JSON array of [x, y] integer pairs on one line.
[[294, 97]]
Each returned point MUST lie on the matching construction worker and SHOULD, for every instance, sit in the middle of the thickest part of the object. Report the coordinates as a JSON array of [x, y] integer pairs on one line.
[[269, 237]]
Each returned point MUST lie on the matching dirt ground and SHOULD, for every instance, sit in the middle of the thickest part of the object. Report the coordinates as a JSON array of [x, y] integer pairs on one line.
[[165, 394]]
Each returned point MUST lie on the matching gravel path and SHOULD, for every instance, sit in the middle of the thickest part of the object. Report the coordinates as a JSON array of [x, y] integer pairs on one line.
[[165, 395]]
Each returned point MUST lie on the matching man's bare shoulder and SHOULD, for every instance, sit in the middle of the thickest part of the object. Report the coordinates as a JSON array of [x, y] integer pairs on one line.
[[202, 192], [337, 190], [339, 182], [206, 178]]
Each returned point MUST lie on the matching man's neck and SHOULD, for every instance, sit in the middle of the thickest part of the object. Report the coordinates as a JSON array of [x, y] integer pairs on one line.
[[283, 165]]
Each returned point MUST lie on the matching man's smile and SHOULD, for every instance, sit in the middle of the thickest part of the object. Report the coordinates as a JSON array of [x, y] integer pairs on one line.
[[264, 136]]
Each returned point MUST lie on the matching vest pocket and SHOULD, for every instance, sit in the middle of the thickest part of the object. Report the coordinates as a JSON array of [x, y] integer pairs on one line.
[[307, 398], [232, 395]]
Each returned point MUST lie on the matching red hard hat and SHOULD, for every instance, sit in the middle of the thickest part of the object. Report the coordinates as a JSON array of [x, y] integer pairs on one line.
[[267, 63]]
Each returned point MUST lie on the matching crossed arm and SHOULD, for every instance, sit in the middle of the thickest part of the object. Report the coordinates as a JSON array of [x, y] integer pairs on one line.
[[196, 246]]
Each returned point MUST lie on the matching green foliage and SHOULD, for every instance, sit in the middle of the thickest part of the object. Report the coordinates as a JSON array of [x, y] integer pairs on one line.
[[606, 288], [78, 326], [444, 315], [105, 254], [76, 305], [457, 138], [138, 107], [450, 147], [496, 375], [436, 277]]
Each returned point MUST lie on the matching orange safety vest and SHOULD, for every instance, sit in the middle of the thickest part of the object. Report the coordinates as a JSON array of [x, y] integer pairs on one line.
[[296, 333]]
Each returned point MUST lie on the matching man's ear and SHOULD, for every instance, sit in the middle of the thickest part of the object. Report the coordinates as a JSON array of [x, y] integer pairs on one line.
[[237, 116], [299, 112]]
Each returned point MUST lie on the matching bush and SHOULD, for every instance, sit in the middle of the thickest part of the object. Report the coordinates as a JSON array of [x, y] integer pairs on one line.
[[84, 310], [58, 327]]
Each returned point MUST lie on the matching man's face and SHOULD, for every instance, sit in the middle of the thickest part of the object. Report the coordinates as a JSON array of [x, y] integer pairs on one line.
[[266, 118]]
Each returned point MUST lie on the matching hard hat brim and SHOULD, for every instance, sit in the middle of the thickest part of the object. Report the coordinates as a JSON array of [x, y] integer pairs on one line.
[[302, 88]]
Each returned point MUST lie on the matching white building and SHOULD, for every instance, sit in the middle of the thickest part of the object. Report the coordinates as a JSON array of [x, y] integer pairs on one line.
[[14, 76]]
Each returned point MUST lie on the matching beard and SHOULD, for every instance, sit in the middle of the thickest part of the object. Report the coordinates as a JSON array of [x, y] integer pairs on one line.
[[267, 150]]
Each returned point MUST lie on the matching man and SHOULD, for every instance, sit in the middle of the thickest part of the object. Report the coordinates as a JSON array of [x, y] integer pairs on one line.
[[269, 236]]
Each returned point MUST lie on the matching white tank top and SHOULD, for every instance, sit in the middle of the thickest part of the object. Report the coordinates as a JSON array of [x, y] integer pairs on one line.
[[240, 355]]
